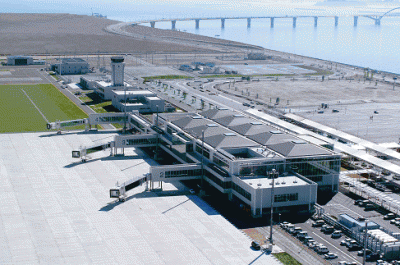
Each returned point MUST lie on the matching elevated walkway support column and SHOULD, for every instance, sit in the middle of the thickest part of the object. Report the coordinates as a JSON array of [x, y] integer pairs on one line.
[[272, 22], [294, 22], [153, 24], [222, 23], [377, 22], [336, 21], [355, 21], [248, 22], [173, 23], [197, 23], [315, 21]]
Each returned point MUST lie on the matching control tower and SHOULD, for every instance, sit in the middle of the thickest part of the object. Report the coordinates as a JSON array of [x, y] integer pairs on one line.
[[117, 66]]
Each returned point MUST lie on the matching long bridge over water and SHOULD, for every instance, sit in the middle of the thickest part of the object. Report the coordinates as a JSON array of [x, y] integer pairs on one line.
[[375, 17]]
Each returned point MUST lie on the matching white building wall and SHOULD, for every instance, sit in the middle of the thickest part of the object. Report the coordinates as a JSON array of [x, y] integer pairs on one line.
[[117, 76]]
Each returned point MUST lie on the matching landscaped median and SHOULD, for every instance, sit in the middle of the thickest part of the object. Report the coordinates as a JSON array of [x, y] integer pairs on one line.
[[286, 259]]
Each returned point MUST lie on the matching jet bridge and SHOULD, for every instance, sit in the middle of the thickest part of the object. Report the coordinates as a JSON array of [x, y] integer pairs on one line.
[[119, 191], [133, 120], [120, 141], [58, 125]]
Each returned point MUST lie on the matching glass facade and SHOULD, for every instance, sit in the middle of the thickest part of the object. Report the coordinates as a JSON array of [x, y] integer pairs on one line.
[[241, 191], [222, 184], [182, 173], [286, 197]]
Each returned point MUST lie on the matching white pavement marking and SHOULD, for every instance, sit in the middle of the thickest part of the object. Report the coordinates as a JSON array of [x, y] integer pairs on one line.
[[230, 99], [347, 255], [44, 117]]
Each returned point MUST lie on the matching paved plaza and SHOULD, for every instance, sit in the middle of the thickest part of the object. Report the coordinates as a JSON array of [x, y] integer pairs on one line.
[[56, 210]]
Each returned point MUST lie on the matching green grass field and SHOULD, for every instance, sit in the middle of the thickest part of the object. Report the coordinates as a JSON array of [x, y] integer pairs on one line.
[[18, 114]]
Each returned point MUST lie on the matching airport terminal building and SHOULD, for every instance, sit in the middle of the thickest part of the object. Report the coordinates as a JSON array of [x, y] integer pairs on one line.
[[239, 153]]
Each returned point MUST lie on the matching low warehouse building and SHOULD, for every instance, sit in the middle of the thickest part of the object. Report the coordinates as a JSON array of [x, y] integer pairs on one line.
[[19, 60], [71, 66]]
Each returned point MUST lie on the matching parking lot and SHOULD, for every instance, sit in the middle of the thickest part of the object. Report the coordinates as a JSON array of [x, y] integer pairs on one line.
[[342, 204]]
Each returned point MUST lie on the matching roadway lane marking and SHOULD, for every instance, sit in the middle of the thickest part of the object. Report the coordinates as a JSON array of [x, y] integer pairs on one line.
[[337, 248], [344, 207], [230, 99]]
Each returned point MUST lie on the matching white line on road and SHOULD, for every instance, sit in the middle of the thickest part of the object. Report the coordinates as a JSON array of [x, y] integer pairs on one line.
[[230, 99], [33, 103], [347, 255]]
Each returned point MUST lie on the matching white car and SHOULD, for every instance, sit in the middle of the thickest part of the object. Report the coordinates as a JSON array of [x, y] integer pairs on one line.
[[330, 256]]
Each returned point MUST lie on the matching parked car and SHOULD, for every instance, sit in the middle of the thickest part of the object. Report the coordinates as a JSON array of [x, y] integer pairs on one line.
[[295, 230], [393, 221], [307, 239], [345, 242], [363, 203], [255, 245], [372, 257], [389, 216], [330, 256], [328, 229], [369, 207], [321, 249], [357, 202], [301, 235], [318, 223], [361, 252], [353, 245], [336, 234], [283, 224]]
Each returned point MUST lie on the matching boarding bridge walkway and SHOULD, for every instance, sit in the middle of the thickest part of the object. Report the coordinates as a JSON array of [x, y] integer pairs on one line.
[[120, 141], [132, 120]]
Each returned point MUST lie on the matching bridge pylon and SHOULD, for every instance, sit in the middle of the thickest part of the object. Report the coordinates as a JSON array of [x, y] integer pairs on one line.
[[355, 21], [248, 22], [336, 21], [272, 22], [197, 23], [377, 22], [153, 24], [294, 22], [222, 23], [173, 24], [315, 22]]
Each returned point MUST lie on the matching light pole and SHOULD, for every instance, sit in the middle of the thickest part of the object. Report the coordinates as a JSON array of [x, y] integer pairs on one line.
[[365, 240], [124, 130], [202, 161], [273, 173], [261, 195]]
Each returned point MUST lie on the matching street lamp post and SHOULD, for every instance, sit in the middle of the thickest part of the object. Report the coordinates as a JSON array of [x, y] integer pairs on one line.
[[202, 162], [273, 174], [365, 241]]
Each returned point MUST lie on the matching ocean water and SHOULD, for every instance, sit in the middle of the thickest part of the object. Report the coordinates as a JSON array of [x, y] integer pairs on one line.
[[367, 45]]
